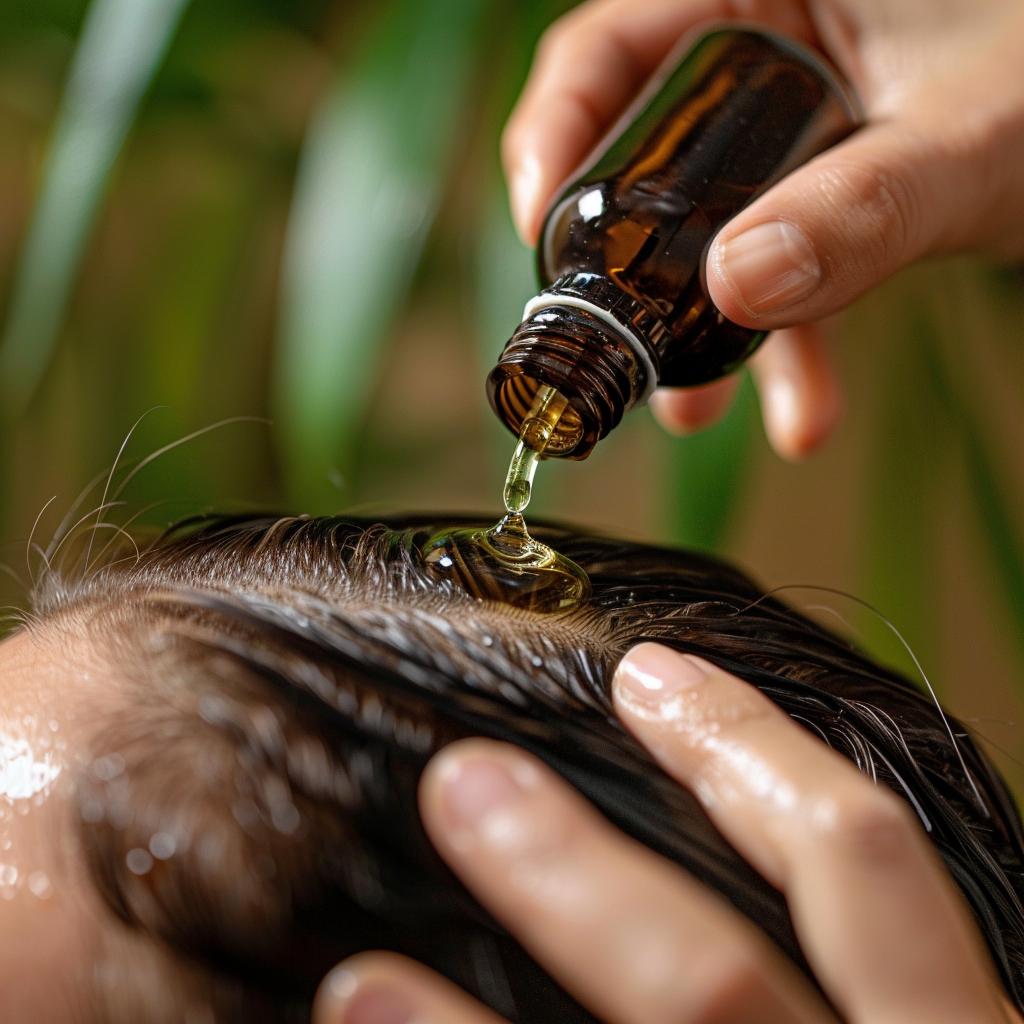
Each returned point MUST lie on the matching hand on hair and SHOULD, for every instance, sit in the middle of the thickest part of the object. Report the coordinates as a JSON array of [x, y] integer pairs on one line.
[[637, 940], [938, 168]]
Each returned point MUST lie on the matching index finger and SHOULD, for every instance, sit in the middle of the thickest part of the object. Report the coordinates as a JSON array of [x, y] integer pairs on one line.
[[589, 65], [877, 915], [628, 933]]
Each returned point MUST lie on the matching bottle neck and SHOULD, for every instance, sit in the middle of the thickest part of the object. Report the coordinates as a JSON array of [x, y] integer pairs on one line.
[[591, 342]]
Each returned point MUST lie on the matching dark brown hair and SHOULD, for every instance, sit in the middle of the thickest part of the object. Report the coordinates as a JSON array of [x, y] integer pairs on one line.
[[253, 806]]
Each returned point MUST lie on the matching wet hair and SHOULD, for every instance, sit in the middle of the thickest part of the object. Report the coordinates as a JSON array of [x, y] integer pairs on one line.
[[251, 808]]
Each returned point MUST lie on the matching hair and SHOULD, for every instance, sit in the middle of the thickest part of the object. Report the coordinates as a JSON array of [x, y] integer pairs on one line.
[[252, 807]]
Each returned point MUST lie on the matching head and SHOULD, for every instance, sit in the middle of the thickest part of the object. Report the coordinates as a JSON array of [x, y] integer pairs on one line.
[[212, 754]]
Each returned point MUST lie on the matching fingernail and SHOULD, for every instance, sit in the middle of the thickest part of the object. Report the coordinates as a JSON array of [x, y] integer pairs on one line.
[[684, 410], [380, 1006], [768, 267], [472, 788], [651, 674], [524, 192], [374, 1004]]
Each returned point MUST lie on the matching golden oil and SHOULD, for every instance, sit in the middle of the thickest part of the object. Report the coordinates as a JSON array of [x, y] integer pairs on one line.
[[534, 436], [505, 563]]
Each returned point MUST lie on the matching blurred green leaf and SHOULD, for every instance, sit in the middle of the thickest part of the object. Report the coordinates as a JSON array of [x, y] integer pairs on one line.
[[708, 472], [372, 172], [122, 44]]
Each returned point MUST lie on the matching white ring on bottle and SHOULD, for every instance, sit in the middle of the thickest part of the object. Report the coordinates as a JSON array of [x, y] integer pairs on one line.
[[545, 299]]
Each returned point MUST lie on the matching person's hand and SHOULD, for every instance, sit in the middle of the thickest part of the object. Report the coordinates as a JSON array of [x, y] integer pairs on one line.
[[938, 168], [635, 938]]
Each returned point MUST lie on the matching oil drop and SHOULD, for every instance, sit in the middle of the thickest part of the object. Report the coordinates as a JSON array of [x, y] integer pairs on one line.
[[505, 563]]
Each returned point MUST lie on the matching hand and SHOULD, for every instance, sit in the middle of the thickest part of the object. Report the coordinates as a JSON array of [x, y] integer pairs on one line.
[[938, 168], [635, 938]]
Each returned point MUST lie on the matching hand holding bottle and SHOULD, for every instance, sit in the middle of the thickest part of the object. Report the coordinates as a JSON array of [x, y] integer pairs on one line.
[[938, 168]]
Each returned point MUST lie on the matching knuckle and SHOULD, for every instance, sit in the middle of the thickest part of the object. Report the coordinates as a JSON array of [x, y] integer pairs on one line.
[[735, 988], [982, 157], [881, 206], [869, 822]]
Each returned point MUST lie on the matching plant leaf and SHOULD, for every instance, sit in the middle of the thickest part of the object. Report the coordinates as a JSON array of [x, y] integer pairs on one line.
[[372, 172], [121, 47]]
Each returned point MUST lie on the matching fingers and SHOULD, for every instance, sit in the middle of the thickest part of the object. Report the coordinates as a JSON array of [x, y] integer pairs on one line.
[[630, 935], [684, 410], [589, 65], [801, 398], [835, 228], [876, 914], [385, 988]]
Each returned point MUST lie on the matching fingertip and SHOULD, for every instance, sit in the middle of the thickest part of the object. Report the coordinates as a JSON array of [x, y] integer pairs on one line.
[[447, 762], [796, 433], [536, 157], [801, 396], [845, 221], [640, 653], [524, 172], [646, 675], [369, 988], [333, 995], [526, 197], [682, 411], [381, 987], [467, 780]]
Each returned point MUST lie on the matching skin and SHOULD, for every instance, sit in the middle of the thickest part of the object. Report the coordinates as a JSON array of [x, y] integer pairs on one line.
[[48, 916], [63, 956], [637, 940], [937, 169]]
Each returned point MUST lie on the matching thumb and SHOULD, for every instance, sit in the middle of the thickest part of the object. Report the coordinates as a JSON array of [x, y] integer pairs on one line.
[[833, 229]]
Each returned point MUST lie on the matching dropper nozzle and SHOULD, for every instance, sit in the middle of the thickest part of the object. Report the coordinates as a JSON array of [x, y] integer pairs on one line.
[[534, 435]]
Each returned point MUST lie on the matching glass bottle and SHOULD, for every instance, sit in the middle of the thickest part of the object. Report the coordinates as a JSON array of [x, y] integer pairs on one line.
[[624, 305]]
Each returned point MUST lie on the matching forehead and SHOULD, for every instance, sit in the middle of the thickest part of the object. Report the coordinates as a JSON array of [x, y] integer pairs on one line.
[[48, 920], [53, 687], [44, 676]]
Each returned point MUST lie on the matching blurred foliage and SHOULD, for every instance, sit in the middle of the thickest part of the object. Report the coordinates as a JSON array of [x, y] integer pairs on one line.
[[373, 168], [295, 210], [122, 43]]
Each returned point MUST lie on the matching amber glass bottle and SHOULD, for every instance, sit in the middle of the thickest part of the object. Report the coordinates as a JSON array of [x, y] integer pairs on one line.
[[621, 254]]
